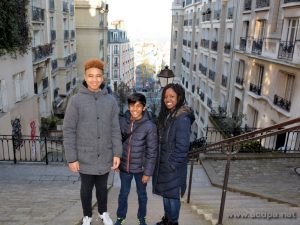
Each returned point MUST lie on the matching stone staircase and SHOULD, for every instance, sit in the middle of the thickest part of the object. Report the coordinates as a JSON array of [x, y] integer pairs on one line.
[[240, 209]]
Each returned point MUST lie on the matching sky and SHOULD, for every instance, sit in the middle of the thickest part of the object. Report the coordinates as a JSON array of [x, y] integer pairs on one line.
[[144, 19]]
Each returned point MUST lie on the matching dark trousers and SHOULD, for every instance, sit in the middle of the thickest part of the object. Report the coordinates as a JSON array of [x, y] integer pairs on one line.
[[86, 192], [126, 179], [172, 208]]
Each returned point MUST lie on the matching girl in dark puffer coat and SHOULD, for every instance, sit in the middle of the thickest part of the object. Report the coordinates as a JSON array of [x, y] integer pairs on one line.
[[169, 178], [138, 159]]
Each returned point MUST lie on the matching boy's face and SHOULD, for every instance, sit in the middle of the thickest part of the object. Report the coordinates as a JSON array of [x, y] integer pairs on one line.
[[136, 110], [93, 78]]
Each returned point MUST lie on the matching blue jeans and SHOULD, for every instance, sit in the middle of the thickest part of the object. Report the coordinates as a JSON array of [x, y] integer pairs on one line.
[[126, 179], [172, 208]]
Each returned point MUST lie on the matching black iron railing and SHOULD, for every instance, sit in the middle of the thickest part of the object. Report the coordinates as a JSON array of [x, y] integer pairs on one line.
[[262, 3], [31, 149], [243, 43], [214, 45], [288, 1], [286, 50], [282, 103], [255, 88], [239, 80], [247, 5], [212, 75], [263, 140], [257, 45]]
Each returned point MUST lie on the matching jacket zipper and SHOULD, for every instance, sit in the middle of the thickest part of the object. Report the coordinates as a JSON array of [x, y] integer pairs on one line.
[[129, 148]]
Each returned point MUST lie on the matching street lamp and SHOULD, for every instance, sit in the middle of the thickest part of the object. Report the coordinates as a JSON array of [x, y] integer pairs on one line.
[[165, 76]]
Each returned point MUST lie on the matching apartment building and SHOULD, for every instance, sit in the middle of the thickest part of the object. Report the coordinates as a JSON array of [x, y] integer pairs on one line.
[[120, 60], [62, 37], [202, 53], [91, 32], [238, 56]]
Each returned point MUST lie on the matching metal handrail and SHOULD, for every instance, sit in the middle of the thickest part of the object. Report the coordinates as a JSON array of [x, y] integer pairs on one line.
[[231, 146]]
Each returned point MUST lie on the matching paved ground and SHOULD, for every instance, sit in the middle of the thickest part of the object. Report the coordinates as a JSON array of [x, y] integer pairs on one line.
[[270, 178], [35, 194]]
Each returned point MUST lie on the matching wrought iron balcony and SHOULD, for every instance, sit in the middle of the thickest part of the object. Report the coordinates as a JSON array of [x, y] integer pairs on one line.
[[247, 5], [214, 45], [239, 80], [243, 43], [38, 14], [255, 88], [282, 103], [211, 75], [262, 3], [41, 52], [286, 50], [257, 46], [74, 57], [288, 1], [224, 80], [67, 60]]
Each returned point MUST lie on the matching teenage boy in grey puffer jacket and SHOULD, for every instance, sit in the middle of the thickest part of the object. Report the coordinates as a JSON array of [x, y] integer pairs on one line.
[[138, 157], [92, 139]]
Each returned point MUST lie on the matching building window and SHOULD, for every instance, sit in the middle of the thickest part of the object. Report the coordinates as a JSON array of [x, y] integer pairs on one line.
[[20, 84], [3, 96]]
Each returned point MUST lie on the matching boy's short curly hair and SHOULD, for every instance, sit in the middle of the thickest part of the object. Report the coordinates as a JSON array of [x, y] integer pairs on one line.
[[93, 63]]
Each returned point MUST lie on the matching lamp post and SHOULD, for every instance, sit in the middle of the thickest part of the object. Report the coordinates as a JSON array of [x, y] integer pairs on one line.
[[166, 76]]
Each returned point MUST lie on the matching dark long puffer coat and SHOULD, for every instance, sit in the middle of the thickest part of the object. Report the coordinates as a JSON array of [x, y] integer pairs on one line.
[[140, 149], [169, 178]]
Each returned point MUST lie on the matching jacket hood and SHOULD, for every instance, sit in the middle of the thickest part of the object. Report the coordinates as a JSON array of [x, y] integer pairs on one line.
[[187, 111], [84, 90]]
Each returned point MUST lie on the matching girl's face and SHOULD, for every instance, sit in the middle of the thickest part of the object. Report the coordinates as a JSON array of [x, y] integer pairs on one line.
[[170, 99]]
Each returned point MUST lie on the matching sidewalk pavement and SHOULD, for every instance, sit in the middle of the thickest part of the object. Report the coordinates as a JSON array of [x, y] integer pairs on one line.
[[273, 179]]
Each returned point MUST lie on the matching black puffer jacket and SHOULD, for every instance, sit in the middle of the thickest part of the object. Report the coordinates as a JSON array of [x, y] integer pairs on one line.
[[139, 149], [169, 178]]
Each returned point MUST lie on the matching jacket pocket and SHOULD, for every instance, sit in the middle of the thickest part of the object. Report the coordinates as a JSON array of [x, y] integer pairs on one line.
[[86, 155]]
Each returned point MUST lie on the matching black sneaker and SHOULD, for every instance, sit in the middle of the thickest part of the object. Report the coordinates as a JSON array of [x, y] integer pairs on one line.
[[164, 221]]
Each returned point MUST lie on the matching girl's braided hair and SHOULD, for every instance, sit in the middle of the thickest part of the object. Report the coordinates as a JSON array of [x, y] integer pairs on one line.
[[180, 102]]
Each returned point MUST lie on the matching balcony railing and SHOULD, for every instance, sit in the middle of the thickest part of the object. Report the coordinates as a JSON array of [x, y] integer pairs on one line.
[[262, 3], [255, 88], [214, 45], [67, 60], [239, 80], [211, 75], [74, 57], [282, 103], [243, 43], [286, 50], [38, 14], [288, 1], [41, 52], [247, 5], [224, 80], [257, 46]]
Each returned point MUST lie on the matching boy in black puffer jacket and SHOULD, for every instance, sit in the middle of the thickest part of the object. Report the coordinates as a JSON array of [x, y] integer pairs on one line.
[[138, 159]]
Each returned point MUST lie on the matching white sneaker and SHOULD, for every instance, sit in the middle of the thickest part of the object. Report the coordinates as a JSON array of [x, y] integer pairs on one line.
[[106, 219], [86, 220]]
